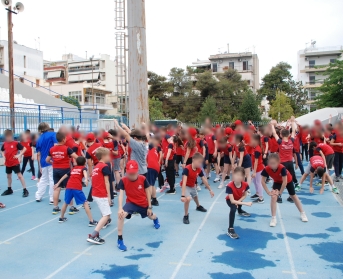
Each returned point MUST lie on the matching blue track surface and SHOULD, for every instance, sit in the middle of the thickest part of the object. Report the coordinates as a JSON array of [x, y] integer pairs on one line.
[[34, 245]]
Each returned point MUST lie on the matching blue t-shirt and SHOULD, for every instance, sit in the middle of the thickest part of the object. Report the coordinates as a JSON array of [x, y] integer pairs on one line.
[[44, 143]]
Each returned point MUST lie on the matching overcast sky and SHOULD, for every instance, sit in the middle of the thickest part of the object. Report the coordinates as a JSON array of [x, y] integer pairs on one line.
[[182, 31]]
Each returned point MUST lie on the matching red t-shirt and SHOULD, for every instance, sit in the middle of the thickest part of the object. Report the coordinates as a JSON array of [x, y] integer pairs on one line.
[[11, 149], [90, 154], [325, 148], [210, 143], [28, 146], [200, 145], [135, 190], [172, 152], [277, 174], [236, 192], [69, 141], [247, 140], [297, 143], [110, 146], [193, 151], [227, 150], [153, 158], [338, 139], [75, 178], [239, 149], [273, 146], [192, 175], [286, 150], [257, 154], [316, 162], [264, 141], [60, 155], [98, 180]]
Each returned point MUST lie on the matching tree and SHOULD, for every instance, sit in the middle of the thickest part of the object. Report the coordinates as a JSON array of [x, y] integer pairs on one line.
[[332, 88], [207, 84], [155, 109], [249, 110], [298, 97], [180, 80], [191, 106], [209, 109], [158, 86], [71, 100], [282, 105]]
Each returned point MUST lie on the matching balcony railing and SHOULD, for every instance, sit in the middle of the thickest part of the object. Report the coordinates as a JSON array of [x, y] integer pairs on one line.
[[83, 69], [316, 66], [315, 82]]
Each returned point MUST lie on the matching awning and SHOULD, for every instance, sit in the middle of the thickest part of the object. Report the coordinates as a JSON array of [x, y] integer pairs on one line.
[[54, 74], [202, 65], [83, 64], [84, 77]]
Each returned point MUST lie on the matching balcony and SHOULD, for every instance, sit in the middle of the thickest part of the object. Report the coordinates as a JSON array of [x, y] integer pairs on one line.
[[314, 84], [72, 70], [314, 68], [89, 105]]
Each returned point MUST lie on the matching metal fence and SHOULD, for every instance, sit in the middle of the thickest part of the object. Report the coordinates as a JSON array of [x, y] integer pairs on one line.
[[224, 124]]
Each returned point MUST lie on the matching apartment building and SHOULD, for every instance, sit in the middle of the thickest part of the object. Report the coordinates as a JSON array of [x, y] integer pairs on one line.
[[245, 63], [311, 65]]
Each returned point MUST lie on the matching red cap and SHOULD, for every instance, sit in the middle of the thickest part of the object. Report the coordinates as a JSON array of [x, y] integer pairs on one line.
[[218, 126], [105, 135], [193, 132], [131, 167], [90, 137], [76, 135], [228, 131], [317, 122], [238, 122]]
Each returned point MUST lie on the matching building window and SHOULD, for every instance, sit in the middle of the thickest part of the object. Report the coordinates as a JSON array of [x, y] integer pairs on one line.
[[312, 79], [245, 65], [214, 67], [231, 65], [312, 63], [24, 61], [76, 94], [45, 75], [333, 60], [99, 98]]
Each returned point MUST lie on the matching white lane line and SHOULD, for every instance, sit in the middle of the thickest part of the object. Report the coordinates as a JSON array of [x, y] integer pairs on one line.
[[27, 187], [19, 205], [288, 247], [184, 256], [85, 252]]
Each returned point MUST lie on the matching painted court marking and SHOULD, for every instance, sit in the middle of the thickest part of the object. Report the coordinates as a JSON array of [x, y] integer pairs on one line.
[[288, 247], [19, 205], [85, 252], [184, 256]]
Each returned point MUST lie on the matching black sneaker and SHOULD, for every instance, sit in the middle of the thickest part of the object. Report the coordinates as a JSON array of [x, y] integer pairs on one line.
[[56, 211], [186, 219], [107, 224], [336, 180], [243, 213], [171, 192], [73, 210], [25, 193], [62, 220], [29, 170], [95, 239], [177, 174], [289, 199], [254, 196], [227, 177], [92, 223], [258, 200], [154, 202], [232, 234], [200, 208], [279, 199], [115, 194], [7, 192], [84, 184]]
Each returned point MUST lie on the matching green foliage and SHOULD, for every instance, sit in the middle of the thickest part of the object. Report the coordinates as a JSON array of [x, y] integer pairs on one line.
[[249, 110], [207, 84], [298, 97], [332, 88], [180, 80], [281, 104], [158, 86], [71, 100], [209, 109], [155, 109]]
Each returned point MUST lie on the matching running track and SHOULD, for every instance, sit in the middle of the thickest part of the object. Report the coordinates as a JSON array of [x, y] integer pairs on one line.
[[34, 245]]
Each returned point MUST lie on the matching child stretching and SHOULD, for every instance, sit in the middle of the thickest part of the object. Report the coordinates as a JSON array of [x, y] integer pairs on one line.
[[226, 148], [10, 150], [74, 190], [257, 161], [189, 191], [244, 159], [237, 191], [138, 199], [282, 179], [101, 193]]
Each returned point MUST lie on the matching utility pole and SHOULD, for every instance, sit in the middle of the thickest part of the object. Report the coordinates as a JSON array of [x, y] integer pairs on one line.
[[10, 67], [91, 58], [137, 63]]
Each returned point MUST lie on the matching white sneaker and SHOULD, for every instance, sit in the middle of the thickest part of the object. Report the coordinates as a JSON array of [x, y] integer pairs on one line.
[[209, 175], [303, 217], [217, 179], [273, 222], [221, 185], [198, 188]]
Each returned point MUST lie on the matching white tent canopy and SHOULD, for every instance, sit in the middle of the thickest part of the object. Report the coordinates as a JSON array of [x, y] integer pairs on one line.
[[322, 115]]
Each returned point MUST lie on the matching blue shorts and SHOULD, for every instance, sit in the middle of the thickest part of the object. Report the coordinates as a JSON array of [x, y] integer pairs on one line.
[[227, 159], [151, 176], [58, 174], [247, 162], [78, 195], [131, 208]]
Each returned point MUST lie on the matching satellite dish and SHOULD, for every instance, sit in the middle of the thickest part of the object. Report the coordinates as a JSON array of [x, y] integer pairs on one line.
[[6, 3], [19, 7]]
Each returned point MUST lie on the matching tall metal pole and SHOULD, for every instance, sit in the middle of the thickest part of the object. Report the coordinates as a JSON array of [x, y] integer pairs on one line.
[[92, 84], [10, 67], [137, 63]]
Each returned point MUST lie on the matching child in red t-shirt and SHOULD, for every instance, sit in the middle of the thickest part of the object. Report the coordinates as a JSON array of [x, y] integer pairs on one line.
[[28, 155], [237, 191], [9, 151], [101, 192], [282, 179], [138, 200], [257, 168], [189, 191], [74, 190]]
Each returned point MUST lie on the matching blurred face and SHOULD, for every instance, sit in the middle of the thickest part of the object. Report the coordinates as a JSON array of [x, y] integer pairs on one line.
[[197, 163], [238, 177], [9, 138], [222, 145], [132, 176], [273, 163], [155, 142], [106, 158]]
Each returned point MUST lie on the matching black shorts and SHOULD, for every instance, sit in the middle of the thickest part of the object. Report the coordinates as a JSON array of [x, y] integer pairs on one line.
[[57, 174], [222, 161], [289, 186], [247, 162], [15, 169], [178, 159], [189, 161], [211, 159], [131, 208], [227, 160]]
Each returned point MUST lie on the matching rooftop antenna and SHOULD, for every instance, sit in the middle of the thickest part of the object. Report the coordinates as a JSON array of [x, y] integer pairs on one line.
[[313, 42]]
